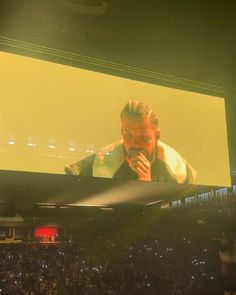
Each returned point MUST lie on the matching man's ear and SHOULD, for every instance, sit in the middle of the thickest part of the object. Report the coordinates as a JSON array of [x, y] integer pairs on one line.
[[157, 133], [121, 128]]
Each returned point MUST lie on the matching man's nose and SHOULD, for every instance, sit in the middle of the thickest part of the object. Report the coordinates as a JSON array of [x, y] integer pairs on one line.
[[136, 142]]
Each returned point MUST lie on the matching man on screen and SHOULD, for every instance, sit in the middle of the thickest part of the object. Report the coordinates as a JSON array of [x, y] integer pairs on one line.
[[139, 155]]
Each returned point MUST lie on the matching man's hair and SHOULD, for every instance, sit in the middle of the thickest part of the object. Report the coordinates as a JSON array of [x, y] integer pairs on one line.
[[139, 110]]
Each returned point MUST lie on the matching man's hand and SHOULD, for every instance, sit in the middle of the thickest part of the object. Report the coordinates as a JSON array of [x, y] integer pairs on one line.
[[139, 164]]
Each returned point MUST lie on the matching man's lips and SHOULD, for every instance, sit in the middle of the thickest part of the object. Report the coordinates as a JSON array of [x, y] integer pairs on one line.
[[134, 152]]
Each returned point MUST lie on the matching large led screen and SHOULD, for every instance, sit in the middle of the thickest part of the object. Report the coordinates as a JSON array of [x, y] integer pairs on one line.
[[59, 119]]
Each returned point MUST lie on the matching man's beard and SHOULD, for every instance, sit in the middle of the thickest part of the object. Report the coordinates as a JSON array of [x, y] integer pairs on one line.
[[133, 152]]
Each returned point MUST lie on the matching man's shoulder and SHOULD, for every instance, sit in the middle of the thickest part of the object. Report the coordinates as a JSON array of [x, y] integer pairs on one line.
[[83, 167], [177, 166], [109, 159], [102, 164]]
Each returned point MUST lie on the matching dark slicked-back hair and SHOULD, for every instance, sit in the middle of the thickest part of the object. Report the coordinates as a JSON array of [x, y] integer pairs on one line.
[[139, 110]]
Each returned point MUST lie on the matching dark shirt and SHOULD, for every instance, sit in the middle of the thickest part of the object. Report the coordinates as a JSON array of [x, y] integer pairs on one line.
[[159, 171]]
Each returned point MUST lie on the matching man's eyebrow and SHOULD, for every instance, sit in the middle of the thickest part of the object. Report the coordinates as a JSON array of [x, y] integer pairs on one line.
[[138, 132]]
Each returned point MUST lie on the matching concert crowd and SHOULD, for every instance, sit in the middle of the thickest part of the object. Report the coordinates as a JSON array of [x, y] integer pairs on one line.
[[164, 261]]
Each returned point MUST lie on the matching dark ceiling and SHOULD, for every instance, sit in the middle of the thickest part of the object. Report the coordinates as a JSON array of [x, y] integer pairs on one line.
[[183, 44], [191, 39]]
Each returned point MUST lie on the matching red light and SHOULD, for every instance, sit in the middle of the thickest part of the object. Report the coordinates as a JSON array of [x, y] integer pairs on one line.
[[46, 233]]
